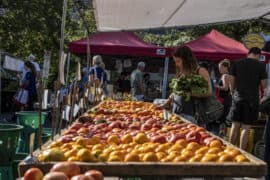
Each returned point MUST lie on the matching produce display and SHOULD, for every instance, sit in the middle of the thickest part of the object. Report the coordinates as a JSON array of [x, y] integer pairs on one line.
[[189, 84], [63, 171], [128, 131]]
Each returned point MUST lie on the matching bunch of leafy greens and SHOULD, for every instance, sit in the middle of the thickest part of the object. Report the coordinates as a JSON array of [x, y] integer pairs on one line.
[[189, 84]]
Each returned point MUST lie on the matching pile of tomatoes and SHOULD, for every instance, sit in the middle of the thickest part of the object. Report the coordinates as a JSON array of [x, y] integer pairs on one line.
[[128, 131]]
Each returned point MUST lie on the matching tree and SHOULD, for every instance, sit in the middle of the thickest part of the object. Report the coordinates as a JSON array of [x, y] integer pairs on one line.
[[174, 37], [34, 26]]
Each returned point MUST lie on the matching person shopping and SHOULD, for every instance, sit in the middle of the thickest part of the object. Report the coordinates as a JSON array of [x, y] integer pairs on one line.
[[186, 63], [29, 83], [223, 89], [247, 75], [136, 81]]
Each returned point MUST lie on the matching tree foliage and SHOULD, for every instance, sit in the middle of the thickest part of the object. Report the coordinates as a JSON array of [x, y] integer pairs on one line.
[[174, 37], [34, 26]]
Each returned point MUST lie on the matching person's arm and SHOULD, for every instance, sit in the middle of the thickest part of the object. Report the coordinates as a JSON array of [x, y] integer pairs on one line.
[[232, 76], [263, 83], [167, 102], [204, 73], [91, 76], [232, 84], [226, 83], [263, 77]]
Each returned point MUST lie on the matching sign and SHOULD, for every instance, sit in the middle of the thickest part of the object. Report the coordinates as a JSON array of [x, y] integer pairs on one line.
[[254, 40], [62, 68], [46, 64], [13, 64], [161, 51]]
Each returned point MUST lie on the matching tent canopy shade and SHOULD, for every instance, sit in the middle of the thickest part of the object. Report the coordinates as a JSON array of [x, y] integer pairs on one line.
[[216, 46], [116, 15], [118, 43]]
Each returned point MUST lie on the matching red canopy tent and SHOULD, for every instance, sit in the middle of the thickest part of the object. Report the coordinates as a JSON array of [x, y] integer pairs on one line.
[[118, 43], [216, 46]]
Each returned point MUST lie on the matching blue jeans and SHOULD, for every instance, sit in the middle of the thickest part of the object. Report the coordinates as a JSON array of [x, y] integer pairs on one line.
[[267, 148]]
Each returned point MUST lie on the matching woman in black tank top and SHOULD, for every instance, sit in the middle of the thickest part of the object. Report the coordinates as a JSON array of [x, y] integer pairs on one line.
[[186, 64], [223, 87]]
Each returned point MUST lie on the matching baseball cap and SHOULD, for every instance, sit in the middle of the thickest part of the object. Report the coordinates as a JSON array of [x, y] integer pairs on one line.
[[31, 57]]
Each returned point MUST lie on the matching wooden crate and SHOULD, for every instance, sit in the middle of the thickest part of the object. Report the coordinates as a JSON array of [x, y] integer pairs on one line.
[[255, 168]]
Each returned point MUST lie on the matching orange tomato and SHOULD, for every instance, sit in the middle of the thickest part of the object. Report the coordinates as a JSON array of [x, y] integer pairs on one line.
[[241, 158], [193, 146], [114, 158], [216, 143], [141, 138], [180, 159], [234, 152], [160, 155], [214, 150], [113, 139], [196, 158], [187, 153], [181, 142], [202, 150], [176, 148], [150, 157], [225, 158], [209, 158], [131, 157], [127, 139]]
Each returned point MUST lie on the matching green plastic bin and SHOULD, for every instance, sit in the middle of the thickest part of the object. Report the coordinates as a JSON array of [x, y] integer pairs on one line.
[[9, 136], [6, 172], [30, 118]]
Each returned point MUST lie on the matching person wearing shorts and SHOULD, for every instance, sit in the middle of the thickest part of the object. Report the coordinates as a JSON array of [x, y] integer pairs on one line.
[[247, 76]]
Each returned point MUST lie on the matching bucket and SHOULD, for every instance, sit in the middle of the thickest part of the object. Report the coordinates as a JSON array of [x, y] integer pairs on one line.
[[30, 118], [9, 136]]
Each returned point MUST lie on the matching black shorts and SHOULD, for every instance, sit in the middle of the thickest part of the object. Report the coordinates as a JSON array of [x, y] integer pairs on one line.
[[244, 111]]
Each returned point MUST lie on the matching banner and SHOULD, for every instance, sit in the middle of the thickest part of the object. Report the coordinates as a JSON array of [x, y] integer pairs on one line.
[[13, 64], [46, 64], [62, 68]]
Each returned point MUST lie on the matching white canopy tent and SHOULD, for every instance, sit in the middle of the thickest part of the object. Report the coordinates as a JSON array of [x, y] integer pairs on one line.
[[116, 15]]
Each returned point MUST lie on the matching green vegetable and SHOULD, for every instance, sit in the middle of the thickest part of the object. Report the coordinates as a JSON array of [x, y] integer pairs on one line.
[[189, 84]]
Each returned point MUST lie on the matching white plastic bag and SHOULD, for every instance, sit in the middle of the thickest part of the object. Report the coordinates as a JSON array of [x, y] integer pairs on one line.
[[21, 97]]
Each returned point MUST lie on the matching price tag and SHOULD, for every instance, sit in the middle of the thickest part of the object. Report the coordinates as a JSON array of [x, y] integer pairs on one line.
[[76, 110]]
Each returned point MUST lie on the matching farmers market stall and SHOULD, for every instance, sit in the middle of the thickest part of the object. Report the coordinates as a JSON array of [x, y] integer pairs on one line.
[[215, 46], [122, 43], [127, 139]]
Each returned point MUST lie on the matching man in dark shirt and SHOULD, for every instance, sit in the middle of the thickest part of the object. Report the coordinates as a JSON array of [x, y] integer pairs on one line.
[[246, 77]]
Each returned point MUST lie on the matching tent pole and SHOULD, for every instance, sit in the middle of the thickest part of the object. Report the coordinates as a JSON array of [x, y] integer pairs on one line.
[[165, 77]]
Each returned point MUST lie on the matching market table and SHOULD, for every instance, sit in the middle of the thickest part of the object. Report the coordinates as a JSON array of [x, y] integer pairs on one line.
[[166, 170]]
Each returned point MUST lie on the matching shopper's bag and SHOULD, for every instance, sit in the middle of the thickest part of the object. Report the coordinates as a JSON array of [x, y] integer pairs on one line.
[[21, 97], [220, 99], [208, 109]]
